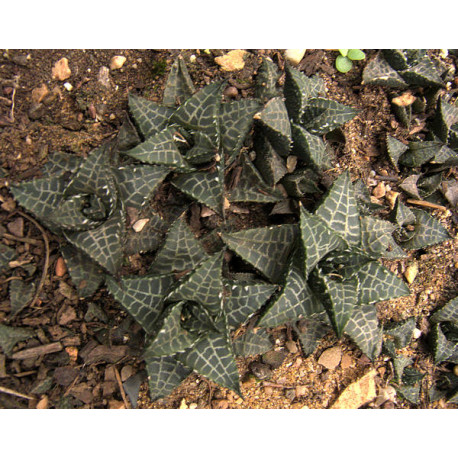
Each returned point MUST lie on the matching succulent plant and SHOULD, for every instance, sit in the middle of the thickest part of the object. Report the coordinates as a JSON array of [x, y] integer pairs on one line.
[[344, 61], [318, 270], [401, 68], [430, 158]]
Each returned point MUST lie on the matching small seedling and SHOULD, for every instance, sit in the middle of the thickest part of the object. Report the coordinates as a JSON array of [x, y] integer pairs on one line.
[[344, 62]]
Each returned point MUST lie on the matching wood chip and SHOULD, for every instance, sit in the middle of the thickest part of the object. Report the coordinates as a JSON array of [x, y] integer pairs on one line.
[[358, 393], [38, 351]]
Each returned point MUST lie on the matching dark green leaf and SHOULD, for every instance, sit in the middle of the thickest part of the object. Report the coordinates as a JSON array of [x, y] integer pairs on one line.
[[339, 210], [59, 163], [428, 231], [150, 117], [160, 149], [419, 153], [252, 343], [86, 275], [10, 336], [137, 183], [181, 250], [179, 86], [244, 299], [399, 364], [236, 119], [142, 297], [104, 243], [268, 162], [295, 301], [171, 337], [265, 248], [449, 312], [165, 373], [322, 116], [339, 299], [275, 122], [266, 80], [424, 73], [213, 358], [395, 149], [21, 294], [379, 72], [401, 332], [410, 393], [443, 349], [201, 111], [377, 284], [310, 148], [203, 285], [205, 187], [363, 329]]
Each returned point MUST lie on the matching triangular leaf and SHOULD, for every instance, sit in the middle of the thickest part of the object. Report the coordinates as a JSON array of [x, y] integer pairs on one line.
[[179, 86], [160, 149], [172, 337], [200, 112], [449, 312], [205, 187], [104, 243], [364, 331], [252, 343], [318, 240], [165, 373], [7, 254], [213, 358], [149, 116], [244, 299], [265, 248], [142, 297], [401, 332], [266, 80], [181, 250], [428, 231], [203, 285], [86, 275], [310, 148], [339, 210], [276, 125], [10, 336], [378, 71], [295, 301], [322, 116], [137, 183], [377, 284], [395, 149]]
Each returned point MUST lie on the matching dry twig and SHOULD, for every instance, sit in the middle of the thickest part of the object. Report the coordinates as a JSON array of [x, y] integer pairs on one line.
[[15, 393], [121, 388]]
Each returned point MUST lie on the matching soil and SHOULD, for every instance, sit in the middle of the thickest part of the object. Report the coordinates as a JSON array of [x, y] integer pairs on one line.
[[98, 345]]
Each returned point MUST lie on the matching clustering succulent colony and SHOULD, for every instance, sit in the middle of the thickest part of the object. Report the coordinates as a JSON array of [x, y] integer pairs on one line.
[[317, 271]]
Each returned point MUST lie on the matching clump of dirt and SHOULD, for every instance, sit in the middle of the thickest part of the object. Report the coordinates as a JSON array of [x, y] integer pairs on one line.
[[97, 345]]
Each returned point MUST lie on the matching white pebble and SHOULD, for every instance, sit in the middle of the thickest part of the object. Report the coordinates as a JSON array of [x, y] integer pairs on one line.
[[68, 86]]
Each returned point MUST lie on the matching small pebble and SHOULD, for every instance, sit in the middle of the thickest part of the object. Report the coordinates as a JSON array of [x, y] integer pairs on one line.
[[43, 403], [294, 56], [330, 358], [232, 61], [61, 70], [117, 62], [140, 224], [455, 369], [291, 346], [416, 333], [16, 227], [231, 92], [411, 272], [379, 191], [192, 58], [261, 371], [61, 267], [68, 86]]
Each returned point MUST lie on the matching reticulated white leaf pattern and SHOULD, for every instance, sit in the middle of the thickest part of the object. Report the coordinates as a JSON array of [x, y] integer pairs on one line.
[[142, 297], [339, 210], [212, 357]]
